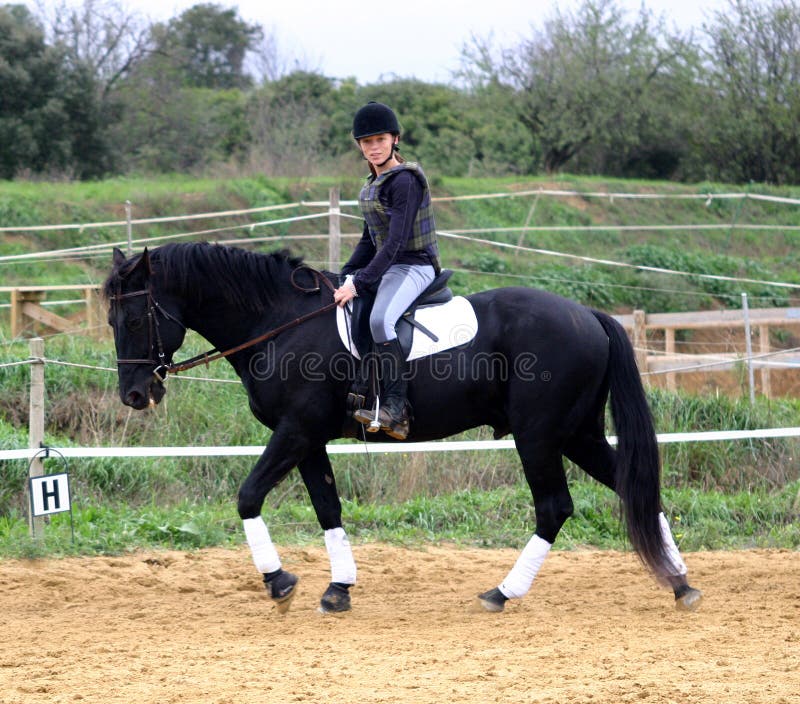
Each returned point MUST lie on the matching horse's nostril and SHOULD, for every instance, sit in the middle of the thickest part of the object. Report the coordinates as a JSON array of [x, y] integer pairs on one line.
[[134, 399]]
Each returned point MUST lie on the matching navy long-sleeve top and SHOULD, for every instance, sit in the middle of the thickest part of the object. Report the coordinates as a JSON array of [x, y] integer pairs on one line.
[[401, 196]]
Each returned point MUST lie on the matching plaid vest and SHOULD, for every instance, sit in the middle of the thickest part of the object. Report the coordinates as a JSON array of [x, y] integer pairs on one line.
[[423, 235]]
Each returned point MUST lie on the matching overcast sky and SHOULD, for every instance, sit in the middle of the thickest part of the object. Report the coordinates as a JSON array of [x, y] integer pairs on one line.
[[405, 38]]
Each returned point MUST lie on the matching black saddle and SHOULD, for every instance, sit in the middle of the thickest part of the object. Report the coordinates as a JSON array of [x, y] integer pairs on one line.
[[437, 293]]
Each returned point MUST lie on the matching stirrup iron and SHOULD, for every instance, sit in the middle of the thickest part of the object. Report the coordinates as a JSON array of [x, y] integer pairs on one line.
[[375, 425]]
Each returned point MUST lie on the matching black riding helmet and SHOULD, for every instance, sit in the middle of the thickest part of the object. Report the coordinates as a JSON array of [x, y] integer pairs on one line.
[[374, 118]]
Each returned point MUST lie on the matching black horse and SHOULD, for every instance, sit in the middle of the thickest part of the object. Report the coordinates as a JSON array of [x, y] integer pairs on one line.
[[541, 368]]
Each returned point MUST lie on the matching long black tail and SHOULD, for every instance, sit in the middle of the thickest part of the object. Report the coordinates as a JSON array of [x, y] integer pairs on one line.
[[638, 470]]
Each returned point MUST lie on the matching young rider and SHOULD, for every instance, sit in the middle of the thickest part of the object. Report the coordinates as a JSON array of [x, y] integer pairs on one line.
[[397, 256]]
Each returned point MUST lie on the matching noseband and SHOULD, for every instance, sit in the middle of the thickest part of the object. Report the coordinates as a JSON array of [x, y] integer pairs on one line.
[[162, 366]]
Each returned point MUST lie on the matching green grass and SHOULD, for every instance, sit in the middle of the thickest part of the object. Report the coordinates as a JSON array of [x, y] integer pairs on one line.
[[767, 255], [501, 517], [726, 494]]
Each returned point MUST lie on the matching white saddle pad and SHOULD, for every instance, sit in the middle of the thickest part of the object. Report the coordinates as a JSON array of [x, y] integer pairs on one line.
[[454, 323]]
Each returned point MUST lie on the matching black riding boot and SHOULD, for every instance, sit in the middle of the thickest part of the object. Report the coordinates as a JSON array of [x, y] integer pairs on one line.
[[393, 414]]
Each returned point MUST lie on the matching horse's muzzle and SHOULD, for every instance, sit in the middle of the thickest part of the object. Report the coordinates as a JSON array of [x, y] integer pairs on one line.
[[148, 396]]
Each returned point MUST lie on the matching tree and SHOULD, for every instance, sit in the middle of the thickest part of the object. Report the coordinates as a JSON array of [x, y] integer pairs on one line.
[[182, 105], [208, 44], [660, 140], [101, 43], [582, 79], [23, 59], [102, 36], [167, 128], [452, 131], [47, 117], [431, 121], [294, 124], [753, 82]]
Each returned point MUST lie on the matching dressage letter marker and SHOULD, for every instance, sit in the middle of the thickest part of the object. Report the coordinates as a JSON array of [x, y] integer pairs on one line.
[[50, 494]]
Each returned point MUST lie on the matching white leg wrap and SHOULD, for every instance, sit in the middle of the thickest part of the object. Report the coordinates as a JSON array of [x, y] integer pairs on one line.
[[678, 565], [519, 580], [343, 566], [265, 556]]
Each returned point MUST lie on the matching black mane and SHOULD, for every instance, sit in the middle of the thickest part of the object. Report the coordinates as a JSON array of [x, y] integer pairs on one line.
[[248, 280]]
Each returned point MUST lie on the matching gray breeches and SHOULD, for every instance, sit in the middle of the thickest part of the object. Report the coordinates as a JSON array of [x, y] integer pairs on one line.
[[400, 285]]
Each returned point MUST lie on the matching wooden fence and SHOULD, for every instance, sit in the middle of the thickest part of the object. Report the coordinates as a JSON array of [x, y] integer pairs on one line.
[[30, 318], [645, 328], [652, 334]]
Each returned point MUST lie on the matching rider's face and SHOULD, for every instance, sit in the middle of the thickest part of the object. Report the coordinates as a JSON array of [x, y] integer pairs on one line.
[[377, 148]]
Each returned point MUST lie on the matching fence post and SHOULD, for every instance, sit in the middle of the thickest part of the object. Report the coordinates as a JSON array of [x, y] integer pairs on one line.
[[17, 324], [763, 348], [640, 340], [528, 219], [669, 350], [129, 228], [95, 314], [334, 231], [21, 321], [749, 348], [36, 426]]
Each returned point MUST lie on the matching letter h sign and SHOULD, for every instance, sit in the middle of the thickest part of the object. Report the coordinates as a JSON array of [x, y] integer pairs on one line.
[[49, 494]]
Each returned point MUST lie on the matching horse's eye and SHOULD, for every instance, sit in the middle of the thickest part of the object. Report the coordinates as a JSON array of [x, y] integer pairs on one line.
[[134, 324]]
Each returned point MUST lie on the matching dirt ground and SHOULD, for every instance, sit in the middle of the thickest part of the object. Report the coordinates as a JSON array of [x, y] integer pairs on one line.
[[198, 627]]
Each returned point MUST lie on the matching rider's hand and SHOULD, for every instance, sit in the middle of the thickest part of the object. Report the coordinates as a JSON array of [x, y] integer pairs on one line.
[[344, 294]]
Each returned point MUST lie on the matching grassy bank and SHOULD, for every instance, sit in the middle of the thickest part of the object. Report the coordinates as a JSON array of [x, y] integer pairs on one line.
[[501, 517], [83, 408], [726, 494], [728, 248]]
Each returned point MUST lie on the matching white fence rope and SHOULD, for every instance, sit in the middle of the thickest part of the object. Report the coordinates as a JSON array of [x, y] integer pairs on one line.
[[743, 359], [107, 246], [627, 228], [94, 367], [148, 221], [761, 359], [17, 364], [184, 377], [707, 197], [606, 284], [609, 262], [380, 447], [456, 234], [102, 248], [74, 301]]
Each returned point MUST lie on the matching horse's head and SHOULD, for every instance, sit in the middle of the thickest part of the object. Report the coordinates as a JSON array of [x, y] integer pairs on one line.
[[146, 330]]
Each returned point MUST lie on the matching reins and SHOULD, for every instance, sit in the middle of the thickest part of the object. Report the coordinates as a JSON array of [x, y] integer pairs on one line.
[[213, 355]]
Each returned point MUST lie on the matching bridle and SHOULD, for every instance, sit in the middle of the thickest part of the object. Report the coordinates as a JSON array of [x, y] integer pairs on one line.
[[153, 330], [163, 366]]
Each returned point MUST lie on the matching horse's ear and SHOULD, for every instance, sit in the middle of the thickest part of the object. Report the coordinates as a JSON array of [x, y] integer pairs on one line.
[[142, 265], [119, 258]]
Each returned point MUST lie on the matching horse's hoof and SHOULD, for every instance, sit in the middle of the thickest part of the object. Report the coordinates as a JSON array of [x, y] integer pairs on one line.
[[282, 587], [690, 600], [336, 599], [494, 600]]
